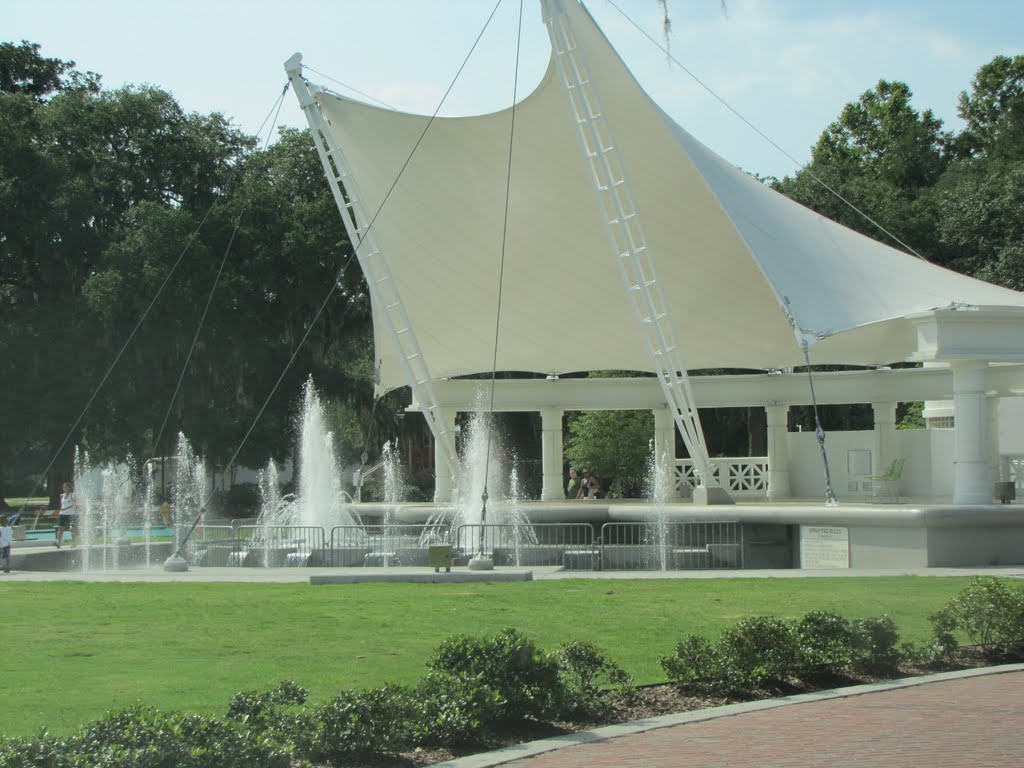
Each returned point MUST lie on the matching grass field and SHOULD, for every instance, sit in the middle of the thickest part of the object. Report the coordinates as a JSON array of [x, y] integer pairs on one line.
[[75, 650]]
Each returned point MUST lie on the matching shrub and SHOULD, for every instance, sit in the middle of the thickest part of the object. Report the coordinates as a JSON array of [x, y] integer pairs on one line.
[[825, 644], [143, 737], [452, 711], [366, 722], [759, 652], [265, 711], [525, 677], [944, 625], [875, 645], [583, 668], [43, 751], [697, 665], [989, 613]]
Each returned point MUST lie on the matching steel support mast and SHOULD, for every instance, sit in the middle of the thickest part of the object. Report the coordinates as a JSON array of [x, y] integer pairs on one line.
[[629, 243], [379, 278]]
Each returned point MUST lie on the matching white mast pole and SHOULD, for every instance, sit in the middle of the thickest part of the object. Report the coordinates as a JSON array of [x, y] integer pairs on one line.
[[379, 278], [629, 243]]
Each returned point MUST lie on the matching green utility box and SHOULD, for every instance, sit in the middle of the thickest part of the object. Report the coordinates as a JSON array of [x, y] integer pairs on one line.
[[440, 557]]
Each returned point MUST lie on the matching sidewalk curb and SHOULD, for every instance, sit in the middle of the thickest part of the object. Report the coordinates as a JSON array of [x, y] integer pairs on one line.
[[608, 732]]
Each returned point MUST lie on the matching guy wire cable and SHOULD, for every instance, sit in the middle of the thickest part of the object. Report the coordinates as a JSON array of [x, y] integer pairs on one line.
[[213, 290], [353, 255], [138, 325], [501, 273], [759, 132]]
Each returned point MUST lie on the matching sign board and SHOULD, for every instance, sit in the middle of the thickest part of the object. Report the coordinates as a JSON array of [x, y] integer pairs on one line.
[[824, 546]]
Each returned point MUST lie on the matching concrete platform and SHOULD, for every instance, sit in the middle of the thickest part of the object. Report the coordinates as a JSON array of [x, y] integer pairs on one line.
[[419, 576], [912, 533]]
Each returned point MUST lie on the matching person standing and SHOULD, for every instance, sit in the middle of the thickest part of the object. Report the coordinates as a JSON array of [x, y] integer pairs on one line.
[[574, 484], [589, 488], [68, 512], [6, 539]]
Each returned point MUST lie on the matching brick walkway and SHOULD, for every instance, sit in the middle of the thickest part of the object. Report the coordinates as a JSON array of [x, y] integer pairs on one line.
[[976, 721]]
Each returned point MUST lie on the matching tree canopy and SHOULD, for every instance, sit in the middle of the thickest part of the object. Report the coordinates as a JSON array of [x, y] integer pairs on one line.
[[953, 198], [119, 214]]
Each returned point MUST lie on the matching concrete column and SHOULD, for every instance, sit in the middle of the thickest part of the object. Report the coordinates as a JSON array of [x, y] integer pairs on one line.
[[444, 483], [970, 413], [665, 454], [778, 452], [884, 446], [551, 454]]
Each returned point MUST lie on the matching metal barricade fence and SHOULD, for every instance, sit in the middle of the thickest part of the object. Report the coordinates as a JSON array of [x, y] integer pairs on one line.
[[208, 544], [671, 546], [385, 545], [570, 545], [274, 546]]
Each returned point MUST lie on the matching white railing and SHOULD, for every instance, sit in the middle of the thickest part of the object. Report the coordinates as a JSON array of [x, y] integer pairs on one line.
[[741, 476]]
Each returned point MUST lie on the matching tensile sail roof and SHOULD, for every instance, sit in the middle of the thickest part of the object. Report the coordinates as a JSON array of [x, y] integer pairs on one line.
[[746, 273]]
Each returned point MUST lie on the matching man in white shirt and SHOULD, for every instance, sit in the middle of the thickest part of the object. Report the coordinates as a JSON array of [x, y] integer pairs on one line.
[[6, 538]]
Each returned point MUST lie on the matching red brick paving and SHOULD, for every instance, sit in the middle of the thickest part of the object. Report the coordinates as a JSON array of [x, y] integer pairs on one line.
[[976, 722]]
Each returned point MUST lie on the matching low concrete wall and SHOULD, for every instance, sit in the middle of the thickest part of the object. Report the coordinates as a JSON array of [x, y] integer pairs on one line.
[[888, 547], [973, 545], [68, 558]]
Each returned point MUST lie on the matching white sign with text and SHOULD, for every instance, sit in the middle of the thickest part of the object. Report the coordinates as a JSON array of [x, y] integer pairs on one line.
[[824, 546]]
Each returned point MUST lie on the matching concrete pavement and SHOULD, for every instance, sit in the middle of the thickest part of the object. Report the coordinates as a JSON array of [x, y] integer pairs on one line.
[[970, 718], [156, 573]]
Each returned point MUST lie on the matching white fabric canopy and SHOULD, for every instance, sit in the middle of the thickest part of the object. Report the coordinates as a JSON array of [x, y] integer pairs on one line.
[[735, 260]]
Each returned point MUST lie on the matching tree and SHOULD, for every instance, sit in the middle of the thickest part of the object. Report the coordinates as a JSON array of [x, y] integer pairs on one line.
[[980, 199], [23, 69], [994, 111], [615, 446], [274, 246], [100, 191], [883, 156]]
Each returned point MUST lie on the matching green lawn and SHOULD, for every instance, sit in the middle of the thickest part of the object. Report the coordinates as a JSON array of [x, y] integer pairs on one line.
[[75, 650]]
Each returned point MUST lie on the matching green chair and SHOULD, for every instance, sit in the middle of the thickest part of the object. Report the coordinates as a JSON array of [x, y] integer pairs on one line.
[[889, 481]]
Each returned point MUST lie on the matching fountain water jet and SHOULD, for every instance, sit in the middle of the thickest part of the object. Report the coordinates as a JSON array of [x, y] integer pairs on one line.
[[486, 464], [320, 499], [106, 496], [660, 482]]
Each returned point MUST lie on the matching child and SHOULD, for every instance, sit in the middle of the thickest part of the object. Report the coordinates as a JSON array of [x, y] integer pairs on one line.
[[6, 537], [67, 515]]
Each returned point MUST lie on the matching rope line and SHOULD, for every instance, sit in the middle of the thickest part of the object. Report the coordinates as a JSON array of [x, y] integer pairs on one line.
[[336, 283], [764, 136], [819, 433], [501, 274], [354, 90], [145, 313], [213, 289]]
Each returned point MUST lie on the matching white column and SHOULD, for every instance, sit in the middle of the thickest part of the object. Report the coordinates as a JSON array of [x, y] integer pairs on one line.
[[444, 483], [778, 452], [551, 454], [665, 451], [993, 442], [970, 416], [884, 448]]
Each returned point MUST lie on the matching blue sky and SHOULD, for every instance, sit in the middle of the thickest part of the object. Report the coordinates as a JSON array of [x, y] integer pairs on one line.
[[788, 66]]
